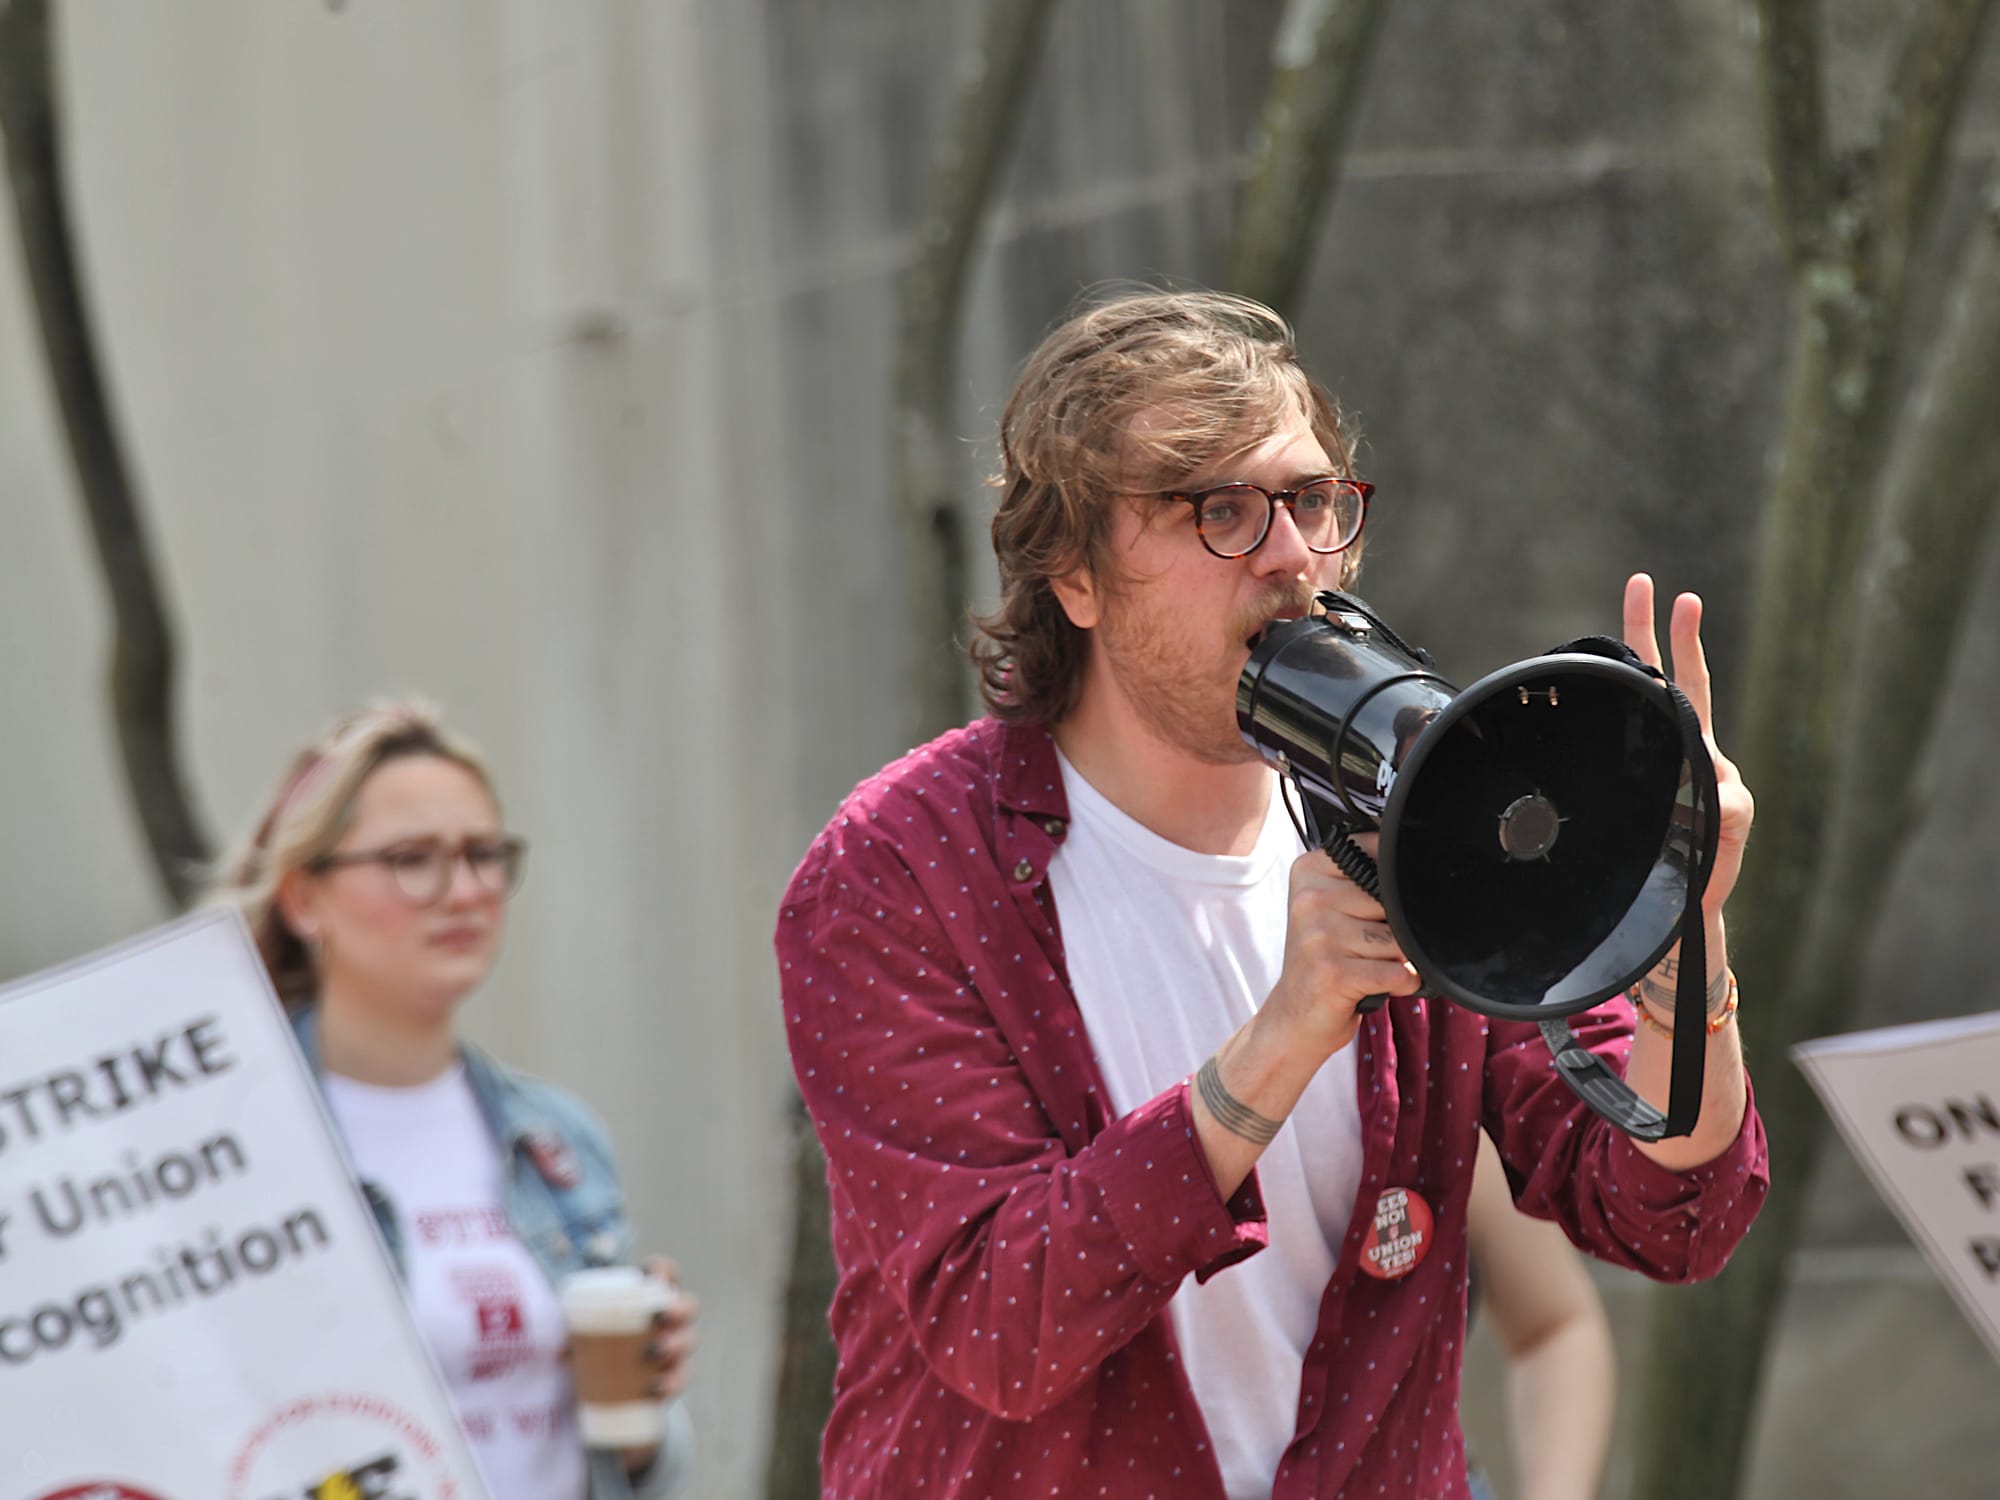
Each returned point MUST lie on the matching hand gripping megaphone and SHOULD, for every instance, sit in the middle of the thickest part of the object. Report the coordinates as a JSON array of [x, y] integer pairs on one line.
[[1545, 834]]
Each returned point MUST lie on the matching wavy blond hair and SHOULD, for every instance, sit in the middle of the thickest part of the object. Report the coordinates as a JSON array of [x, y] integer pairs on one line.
[[1208, 372], [311, 809]]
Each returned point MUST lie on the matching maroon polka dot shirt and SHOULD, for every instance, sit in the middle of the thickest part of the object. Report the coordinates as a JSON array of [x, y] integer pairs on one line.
[[1007, 1250]]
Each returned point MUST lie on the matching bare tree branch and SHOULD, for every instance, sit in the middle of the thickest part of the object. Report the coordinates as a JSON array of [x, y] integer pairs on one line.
[[1706, 1344], [1873, 532], [805, 1347], [931, 297], [1924, 97], [1795, 143], [1839, 417], [1319, 67], [142, 665], [1940, 493], [1833, 440], [1939, 496], [931, 293]]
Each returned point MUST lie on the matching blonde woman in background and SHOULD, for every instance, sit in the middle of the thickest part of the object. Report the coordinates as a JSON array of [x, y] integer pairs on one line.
[[376, 885]]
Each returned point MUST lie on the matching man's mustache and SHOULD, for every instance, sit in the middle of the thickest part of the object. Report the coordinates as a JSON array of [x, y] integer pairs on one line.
[[1290, 599]]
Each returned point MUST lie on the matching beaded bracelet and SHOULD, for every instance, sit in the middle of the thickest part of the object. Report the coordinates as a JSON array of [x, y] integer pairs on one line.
[[1715, 1022]]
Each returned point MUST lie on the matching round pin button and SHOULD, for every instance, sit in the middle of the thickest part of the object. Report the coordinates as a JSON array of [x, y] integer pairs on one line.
[[1400, 1237]]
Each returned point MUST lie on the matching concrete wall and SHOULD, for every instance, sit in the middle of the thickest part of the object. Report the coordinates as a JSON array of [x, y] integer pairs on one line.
[[420, 326], [536, 357]]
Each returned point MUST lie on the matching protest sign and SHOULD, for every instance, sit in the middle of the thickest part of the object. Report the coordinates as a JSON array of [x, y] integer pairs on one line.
[[194, 1302], [1920, 1107]]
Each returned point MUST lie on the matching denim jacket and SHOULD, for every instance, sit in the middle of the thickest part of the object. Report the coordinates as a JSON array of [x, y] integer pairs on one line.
[[562, 1201]]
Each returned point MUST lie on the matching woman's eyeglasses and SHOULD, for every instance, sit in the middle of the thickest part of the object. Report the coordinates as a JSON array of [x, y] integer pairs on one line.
[[422, 870]]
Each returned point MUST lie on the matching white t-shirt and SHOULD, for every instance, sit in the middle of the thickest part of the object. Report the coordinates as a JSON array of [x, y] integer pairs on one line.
[[483, 1305], [1170, 952]]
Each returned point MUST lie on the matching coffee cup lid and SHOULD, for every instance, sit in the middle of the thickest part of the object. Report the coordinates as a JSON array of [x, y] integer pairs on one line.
[[612, 1284]]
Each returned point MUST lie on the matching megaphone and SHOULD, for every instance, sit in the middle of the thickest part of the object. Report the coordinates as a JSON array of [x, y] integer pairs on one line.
[[1544, 835]]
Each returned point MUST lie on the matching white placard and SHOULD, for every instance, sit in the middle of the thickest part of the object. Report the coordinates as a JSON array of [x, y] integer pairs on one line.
[[194, 1303], [1920, 1108]]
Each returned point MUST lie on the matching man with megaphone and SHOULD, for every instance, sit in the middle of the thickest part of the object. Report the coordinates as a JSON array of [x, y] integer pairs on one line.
[[1138, 1187]]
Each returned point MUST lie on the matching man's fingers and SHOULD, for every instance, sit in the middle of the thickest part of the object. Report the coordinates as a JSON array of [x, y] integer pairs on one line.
[[1316, 878], [1376, 938], [1335, 936], [1398, 978], [1690, 659], [1639, 619]]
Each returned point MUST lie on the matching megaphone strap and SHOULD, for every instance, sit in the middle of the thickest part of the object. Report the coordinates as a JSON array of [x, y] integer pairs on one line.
[[1604, 1091]]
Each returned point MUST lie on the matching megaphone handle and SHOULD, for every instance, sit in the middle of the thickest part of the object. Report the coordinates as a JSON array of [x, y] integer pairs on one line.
[[1358, 867], [1352, 859], [1354, 862]]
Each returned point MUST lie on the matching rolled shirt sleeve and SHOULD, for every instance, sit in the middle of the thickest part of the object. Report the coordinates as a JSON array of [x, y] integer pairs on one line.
[[1612, 1199]]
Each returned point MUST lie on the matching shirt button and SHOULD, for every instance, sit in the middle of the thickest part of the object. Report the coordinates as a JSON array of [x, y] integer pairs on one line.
[[1055, 828], [1024, 871]]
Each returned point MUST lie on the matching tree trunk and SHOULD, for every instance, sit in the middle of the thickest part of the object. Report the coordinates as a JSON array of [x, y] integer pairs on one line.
[[930, 475], [1851, 638], [1319, 64], [805, 1349], [142, 661], [929, 482], [1940, 494]]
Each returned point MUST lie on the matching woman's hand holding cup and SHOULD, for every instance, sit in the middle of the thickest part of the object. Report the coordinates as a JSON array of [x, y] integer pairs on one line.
[[674, 1338], [630, 1341]]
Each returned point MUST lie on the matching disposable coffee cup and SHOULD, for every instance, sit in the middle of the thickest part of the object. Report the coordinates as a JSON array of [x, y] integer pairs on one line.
[[610, 1312]]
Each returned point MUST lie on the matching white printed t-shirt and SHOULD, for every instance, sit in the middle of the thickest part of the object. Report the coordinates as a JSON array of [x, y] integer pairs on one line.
[[483, 1305], [1169, 952]]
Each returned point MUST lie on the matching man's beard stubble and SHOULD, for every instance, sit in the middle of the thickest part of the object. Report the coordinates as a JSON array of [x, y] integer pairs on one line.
[[1193, 716]]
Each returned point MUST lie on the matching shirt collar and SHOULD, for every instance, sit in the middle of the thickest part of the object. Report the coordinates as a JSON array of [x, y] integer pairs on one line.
[[1030, 779]]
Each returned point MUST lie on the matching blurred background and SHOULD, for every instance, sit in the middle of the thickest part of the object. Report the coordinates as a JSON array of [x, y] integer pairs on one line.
[[544, 359]]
